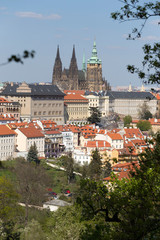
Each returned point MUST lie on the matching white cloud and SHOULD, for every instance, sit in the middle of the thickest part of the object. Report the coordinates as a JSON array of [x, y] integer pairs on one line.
[[37, 15], [3, 8], [150, 38]]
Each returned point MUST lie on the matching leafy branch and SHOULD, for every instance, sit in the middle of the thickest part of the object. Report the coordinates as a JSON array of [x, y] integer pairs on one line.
[[132, 10], [19, 58]]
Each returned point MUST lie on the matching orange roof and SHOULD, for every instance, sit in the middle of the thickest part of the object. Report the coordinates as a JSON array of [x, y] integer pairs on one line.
[[98, 144], [17, 125], [139, 142], [7, 117], [81, 92], [115, 136], [31, 132], [133, 132], [154, 121], [74, 97], [123, 170], [157, 96], [2, 100], [4, 130], [52, 132]]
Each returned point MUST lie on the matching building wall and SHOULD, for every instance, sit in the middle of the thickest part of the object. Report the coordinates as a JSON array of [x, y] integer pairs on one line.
[[77, 110], [104, 105], [94, 77], [7, 146], [68, 140], [48, 108], [81, 157], [25, 102], [24, 143], [131, 106]]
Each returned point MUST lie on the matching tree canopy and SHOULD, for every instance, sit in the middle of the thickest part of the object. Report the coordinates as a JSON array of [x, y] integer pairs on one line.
[[127, 120], [144, 125], [95, 116], [143, 112], [95, 166], [33, 154], [129, 207], [142, 10]]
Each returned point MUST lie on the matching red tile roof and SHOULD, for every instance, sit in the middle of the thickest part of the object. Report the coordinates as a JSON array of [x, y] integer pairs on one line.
[[133, 132], [115, 136], [69, 97], [4, 130], [98, 144], [123, 170], [81, 92], [31, 132], [2, 100], [7, 117], [52, 132], [17, 125]]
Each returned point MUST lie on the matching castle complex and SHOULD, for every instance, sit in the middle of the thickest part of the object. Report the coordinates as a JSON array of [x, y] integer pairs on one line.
[[85, 79]]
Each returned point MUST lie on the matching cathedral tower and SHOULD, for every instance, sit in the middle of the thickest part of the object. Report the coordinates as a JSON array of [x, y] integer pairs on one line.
[[57, 69], [94, 71], [73, 72]]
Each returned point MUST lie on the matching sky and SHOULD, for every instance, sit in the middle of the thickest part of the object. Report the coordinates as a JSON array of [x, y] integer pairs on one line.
[[41, 25]]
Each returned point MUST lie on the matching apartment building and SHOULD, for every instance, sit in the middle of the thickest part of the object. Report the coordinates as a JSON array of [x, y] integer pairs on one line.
[[7, 142], [44, 102]]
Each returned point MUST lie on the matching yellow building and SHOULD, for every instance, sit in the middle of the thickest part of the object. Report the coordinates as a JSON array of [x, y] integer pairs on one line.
[[77, 106]]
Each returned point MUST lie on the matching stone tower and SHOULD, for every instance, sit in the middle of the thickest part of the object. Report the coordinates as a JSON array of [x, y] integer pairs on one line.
[[73, 72], [57, 69], [94, 72]]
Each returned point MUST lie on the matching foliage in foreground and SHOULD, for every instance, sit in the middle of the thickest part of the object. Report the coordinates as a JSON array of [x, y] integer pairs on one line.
[[130, 207]]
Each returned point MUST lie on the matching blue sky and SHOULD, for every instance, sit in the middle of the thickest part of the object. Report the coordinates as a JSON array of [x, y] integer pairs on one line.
[[41, 25]]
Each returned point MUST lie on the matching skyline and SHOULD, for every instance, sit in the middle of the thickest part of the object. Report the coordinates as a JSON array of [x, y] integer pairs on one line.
[[42, 26]]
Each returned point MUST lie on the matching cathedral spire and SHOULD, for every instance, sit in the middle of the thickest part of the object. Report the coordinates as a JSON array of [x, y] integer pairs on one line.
[[57, 69], [94, 51], [73, 71], [73, 53], [58, 55]]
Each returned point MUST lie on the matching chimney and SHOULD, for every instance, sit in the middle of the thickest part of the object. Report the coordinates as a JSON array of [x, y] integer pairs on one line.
[[104, 143], [96, 144]]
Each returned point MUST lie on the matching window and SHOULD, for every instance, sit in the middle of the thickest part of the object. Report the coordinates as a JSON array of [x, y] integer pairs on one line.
[[35, 113]]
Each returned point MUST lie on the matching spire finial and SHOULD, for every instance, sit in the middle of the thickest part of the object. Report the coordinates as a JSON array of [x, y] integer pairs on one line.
[[58, 55]]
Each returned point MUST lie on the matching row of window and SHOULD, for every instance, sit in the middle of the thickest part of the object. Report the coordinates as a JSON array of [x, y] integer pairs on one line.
[[6, 154], [49, 113], [47, 104], [6, 140], [9, 147]]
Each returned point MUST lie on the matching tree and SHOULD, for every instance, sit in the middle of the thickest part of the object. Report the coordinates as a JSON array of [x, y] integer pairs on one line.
[[137, 10], [144, 112], [95, 116], [127, 120], [144, 125], [95, 166], [33, 230], [65, 224], [32, 182], [68, 164], [130, 207], [8, 200], [33, 154]]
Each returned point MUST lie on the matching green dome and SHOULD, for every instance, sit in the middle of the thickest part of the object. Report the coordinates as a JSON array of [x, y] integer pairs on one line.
[[94, 59]]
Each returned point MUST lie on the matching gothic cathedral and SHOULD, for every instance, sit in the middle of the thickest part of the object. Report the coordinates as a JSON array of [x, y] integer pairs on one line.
[[85, 79]]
